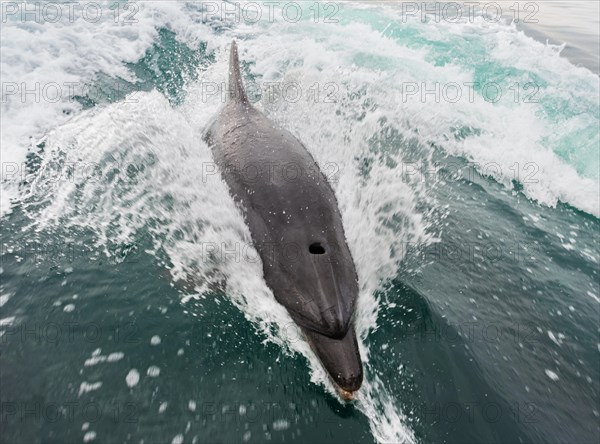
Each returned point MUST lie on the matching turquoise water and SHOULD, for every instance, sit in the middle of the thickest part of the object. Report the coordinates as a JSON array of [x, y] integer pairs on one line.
[[133, 308]]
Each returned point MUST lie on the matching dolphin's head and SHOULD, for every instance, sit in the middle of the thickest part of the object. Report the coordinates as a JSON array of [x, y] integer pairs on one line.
[[314, 277]]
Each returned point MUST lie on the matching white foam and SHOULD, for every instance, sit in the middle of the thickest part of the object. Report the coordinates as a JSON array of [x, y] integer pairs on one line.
[[153, 371], [132, 378], [552, 375], [281, 424], [72, 51], [7, 321], [517, 140], [86, 387], [89, 436], [187, 210], [182, 209], [4, 297], [97, 358]]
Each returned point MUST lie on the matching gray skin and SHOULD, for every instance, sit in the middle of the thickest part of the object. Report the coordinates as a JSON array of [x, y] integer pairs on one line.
[[296, 228]]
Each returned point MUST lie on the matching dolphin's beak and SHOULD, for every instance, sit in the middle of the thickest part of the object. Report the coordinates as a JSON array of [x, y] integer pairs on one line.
[[341, 359]]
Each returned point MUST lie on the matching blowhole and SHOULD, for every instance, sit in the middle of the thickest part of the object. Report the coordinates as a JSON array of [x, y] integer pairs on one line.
[[316, 248]]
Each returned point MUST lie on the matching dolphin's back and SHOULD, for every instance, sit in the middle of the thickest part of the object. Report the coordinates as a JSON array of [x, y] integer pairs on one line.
[[291, 211]]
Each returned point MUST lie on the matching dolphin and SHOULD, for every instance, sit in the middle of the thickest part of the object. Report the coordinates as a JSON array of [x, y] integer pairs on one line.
[[296, 227]]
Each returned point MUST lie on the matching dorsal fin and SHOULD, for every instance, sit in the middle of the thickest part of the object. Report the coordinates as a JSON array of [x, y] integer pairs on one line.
[[236, 84]]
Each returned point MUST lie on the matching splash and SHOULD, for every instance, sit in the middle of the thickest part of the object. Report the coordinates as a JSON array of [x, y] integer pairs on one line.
[[138, 168]]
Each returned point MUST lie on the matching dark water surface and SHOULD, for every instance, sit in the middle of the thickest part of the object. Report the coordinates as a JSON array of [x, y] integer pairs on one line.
[[114, 329]]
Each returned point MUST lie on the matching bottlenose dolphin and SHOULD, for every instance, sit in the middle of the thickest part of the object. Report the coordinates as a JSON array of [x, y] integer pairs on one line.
[[295, 225]]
